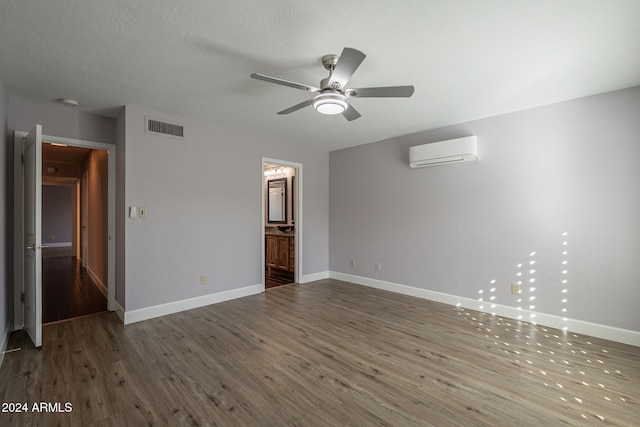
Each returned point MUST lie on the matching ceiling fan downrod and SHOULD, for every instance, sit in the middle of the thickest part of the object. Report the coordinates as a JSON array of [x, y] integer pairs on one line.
[[329, 63]]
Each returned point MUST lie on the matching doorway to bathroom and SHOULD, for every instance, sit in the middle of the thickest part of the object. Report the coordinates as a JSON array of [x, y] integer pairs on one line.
[[281, 221]]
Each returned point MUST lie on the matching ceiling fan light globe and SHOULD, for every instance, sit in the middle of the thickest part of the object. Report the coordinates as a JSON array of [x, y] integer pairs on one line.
[[330, 103], [330, 107]]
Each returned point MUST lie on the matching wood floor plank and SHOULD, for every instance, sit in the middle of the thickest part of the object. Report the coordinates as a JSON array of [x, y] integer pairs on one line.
[[326, 353]]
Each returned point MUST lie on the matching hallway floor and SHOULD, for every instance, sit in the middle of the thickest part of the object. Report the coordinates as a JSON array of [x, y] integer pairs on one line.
[[274, 277], [68, 291]]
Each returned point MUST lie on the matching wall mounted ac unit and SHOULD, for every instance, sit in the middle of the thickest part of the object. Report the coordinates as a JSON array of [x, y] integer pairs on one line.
[[444, 152]]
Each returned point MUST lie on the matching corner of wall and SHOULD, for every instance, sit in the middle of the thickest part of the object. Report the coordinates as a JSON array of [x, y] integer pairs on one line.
[[5, 261]]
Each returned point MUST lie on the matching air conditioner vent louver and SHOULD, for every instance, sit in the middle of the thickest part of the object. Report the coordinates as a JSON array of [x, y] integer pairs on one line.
[[165, 128], [444, 152]]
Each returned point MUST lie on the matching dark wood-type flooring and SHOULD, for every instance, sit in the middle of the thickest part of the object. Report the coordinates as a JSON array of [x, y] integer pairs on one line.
[[275, 277], [67, 290], [327, 353]]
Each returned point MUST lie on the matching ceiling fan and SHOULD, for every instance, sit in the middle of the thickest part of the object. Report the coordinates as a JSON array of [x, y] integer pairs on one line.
[[332, 97]]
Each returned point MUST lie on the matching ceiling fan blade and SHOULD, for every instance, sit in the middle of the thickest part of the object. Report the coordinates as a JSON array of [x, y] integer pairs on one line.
[[351, 113], [297, 107], [284, 82], [381, 92], [349, 61]]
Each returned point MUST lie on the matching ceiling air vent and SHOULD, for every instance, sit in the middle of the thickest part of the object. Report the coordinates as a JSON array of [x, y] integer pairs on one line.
[[164, 128]]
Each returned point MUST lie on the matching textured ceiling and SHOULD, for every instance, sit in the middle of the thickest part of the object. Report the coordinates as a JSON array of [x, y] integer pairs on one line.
[[192, 58]]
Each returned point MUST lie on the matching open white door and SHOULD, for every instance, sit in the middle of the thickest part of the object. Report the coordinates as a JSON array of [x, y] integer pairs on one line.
[[33, 234]]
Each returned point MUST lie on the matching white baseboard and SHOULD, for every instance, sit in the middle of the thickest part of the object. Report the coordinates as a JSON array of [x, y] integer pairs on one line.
[[306, 278], [610, 333], [101, 287], [188, 304]]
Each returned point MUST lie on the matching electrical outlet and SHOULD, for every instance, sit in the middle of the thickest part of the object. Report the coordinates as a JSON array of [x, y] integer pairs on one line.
[[352, 263], [142, 212], [515, 289], [378, 266], [203, 280]]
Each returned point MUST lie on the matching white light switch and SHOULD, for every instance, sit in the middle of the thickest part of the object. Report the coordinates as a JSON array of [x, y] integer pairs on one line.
[[133, 212]]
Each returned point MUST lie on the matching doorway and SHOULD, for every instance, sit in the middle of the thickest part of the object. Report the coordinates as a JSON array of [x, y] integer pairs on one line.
[[281, 222], [74, 203], [28, 245]]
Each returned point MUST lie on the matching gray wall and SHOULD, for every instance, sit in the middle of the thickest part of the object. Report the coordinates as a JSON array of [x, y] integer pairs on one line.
[[59, 120], [6, 260], [568, 168], [203, 195], [56, 214]]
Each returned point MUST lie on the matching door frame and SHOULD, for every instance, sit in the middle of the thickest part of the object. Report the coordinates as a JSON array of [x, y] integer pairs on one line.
[[297, 207], [84, 209], [18, 311]]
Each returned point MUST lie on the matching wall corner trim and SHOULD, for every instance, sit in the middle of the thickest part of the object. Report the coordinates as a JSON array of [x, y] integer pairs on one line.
[[119, 311], [610, 333], [188, 304]]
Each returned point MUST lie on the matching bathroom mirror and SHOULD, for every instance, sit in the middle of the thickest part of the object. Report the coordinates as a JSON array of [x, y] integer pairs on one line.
[[277, 201]]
